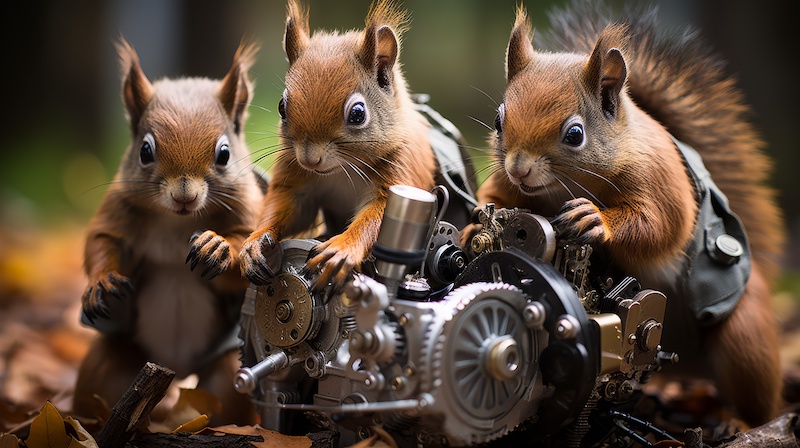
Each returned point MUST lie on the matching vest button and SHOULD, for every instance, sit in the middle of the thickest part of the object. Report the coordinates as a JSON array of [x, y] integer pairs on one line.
[[727, 249]]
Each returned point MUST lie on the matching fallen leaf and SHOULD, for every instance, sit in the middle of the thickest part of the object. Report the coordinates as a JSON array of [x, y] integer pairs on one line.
[[9, 441], [81, 438], [193, 425], [271, 438], [47, 430]]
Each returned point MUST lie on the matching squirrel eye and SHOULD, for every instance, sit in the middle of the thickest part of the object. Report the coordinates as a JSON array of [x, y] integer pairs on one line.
[[222, 152], [355, 111], [147, 151], [498, 119], [282, 108], [358, 114], [574, 135]]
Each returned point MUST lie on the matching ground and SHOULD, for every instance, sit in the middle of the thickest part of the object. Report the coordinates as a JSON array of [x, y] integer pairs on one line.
[[42, 342]]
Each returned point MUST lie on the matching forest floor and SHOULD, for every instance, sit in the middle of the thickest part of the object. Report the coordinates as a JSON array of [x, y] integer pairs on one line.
[[42, 341]]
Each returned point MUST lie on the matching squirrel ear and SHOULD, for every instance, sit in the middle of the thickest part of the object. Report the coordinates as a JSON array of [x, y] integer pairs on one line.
[[136, 88], [295, 39], [235, 90], [520, 50], [379, 53], [614, 72], [606, 72]]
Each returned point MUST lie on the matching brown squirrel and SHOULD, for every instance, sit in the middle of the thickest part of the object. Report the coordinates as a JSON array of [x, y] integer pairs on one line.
[[584, 135], [185, 183], [349, 131]]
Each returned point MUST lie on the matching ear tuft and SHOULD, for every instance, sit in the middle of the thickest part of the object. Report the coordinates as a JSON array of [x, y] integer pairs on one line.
[[296, 36], [136, 88], [236, 90], [520, 50]]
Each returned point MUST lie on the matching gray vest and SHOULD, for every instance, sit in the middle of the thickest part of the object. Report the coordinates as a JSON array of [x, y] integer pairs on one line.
[[718, 258]]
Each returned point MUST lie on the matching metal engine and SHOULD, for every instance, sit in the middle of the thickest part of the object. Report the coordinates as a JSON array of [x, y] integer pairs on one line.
[[441, 345]]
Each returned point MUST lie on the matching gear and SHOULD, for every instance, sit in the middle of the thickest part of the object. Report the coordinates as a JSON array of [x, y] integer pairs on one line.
[[491, 356]]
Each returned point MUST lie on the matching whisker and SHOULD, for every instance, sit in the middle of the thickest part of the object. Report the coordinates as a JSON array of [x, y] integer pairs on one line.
[[555, 176], [496, 104], [594, 198], [480, 122], [598, 176]]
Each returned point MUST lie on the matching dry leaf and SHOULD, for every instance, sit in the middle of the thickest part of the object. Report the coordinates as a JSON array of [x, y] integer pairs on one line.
[[47, 430], [271, 438], [9, 441], [81, 438], [193, 425]]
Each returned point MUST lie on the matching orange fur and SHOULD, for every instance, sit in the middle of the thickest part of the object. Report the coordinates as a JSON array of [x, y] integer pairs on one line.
[[326, 164], [635, 200], [136, 246]]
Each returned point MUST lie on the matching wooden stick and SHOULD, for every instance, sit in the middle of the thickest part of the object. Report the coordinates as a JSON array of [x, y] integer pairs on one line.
[[133, 409]]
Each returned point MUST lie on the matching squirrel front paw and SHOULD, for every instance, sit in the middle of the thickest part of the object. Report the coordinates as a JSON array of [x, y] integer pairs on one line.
[[336, 258], [110, 284], [212, 250], [260, 258], [580, 220]]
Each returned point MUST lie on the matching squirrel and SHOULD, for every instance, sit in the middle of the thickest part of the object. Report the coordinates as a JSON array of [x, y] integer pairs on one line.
[[349, 130], [184, 193], [588, 135]]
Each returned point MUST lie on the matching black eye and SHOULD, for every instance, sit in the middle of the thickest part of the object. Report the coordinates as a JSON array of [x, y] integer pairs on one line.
[[574, 135], [498, 119], [222, 152], [357, 114], [282, 108], [147, 151]]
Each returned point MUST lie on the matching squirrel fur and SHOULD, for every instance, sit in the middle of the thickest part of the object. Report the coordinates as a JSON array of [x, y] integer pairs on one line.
[[348, 132], [184, 185], [583, 136]]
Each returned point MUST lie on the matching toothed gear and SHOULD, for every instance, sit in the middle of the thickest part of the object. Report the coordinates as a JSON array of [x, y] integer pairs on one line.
[[491, 359], [254, 345]]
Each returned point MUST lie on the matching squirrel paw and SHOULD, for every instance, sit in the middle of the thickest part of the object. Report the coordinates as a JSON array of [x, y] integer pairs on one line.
[[336, 261], [260, 258], [580, 220], [111, 284], [212, 250]]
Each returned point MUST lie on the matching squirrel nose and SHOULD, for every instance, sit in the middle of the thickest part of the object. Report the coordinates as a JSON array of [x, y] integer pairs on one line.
[[518, 172], [313, 161], [184, 198]]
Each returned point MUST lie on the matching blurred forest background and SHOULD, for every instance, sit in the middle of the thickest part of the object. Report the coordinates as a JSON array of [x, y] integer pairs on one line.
[[66, 129]]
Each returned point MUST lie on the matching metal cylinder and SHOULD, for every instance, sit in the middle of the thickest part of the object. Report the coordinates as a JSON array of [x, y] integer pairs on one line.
[[247, 378], [404, 230]]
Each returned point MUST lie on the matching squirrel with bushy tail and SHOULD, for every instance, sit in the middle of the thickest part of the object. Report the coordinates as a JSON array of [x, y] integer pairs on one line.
[[639, 143]]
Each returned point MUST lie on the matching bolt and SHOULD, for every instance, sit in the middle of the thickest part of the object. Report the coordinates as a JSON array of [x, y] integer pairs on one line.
[[362, 341], [534, 315], [397, 383], [404, 319], [566, 327], [284, 311]]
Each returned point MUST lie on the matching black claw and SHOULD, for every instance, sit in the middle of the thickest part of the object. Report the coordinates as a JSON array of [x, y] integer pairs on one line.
[[214, 273], [195, 262], [194, 236], [211, 268]]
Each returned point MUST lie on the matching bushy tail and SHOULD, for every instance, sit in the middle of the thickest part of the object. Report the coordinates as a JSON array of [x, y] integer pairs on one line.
[[678, 79]]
